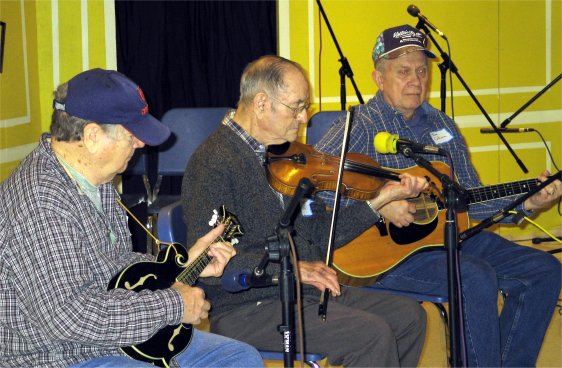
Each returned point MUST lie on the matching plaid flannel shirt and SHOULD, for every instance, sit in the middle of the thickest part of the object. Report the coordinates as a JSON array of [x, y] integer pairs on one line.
[[56, 259]]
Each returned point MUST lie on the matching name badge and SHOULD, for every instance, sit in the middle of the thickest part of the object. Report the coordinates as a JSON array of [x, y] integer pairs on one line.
[[441, 136]]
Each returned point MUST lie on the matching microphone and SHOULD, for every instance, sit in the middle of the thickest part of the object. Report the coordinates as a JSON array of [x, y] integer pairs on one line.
[[235, 281], [385, 142], [506, 130], [415, 12]]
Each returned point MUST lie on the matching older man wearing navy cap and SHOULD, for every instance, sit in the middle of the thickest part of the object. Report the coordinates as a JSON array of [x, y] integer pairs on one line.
[[529, 278], [64, 236]]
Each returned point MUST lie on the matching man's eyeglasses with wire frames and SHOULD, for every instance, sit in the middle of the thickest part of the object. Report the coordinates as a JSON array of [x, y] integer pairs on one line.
[[295, 110]]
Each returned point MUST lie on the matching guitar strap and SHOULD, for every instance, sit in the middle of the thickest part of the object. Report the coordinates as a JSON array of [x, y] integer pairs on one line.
[[381, 226]]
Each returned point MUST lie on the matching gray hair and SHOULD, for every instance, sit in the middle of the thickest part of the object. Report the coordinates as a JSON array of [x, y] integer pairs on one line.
[[265, 74], [68, 128]]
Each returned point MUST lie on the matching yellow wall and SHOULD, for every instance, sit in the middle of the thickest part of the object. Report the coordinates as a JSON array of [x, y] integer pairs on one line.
[[47, 42], [506, 51]]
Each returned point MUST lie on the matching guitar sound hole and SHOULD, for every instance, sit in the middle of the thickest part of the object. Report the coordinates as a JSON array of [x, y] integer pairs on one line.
[[411, 233]]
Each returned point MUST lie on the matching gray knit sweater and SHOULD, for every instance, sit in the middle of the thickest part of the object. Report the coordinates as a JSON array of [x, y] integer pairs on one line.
[[224, 170]]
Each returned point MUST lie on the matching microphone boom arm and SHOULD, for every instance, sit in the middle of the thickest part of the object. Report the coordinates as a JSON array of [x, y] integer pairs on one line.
[[525, 105], [503, 213], [447, 62]]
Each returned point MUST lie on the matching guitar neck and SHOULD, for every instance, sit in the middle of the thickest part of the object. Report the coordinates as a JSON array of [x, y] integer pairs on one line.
[[488, 193]]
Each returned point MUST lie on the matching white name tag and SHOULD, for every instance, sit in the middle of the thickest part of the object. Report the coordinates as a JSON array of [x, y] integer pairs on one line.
[[441, 136]]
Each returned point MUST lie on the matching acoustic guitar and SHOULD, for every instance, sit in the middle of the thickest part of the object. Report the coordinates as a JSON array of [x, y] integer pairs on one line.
[[170, 266], [381, 248]]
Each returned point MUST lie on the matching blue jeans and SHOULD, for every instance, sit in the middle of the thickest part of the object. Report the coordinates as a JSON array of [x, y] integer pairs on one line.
[[529, 278], [205, 350]]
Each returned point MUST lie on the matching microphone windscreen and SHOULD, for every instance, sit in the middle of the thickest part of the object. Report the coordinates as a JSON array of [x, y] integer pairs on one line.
[[231, 282], [385, 142], [413, 10]]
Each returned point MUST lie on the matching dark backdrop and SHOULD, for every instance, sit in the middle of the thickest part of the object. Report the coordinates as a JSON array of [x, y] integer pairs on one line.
[[188, 54]]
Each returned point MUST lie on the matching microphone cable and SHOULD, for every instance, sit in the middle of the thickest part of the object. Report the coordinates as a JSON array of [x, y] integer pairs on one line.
[[552, 251], [558, 207], [296, 272]]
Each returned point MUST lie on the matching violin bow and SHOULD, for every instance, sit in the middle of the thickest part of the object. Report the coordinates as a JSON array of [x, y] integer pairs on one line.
[[323, 307]]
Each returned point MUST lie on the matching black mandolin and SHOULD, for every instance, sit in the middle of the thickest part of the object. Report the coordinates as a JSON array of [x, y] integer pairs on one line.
[[169, 267]]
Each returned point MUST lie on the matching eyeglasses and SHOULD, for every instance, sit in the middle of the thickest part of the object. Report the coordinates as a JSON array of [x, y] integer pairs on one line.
[[295, 110]]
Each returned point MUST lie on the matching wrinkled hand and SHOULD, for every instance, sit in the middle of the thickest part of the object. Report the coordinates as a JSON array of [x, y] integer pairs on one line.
[[195, 307], [320, 276], [409, 186], [221, 252], [400, 213], [546, 196]]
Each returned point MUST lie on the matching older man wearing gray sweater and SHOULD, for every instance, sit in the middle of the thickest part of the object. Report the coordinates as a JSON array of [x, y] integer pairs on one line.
[[362, 328]]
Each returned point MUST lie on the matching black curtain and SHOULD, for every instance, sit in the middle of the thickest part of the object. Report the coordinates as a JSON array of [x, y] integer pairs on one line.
[[192, 53], [188, 54]]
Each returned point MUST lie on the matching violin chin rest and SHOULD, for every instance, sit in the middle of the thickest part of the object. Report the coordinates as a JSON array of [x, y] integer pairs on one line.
[[278, 149]]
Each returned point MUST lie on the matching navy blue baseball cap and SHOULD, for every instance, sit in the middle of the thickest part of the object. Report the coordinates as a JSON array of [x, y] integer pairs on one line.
[[109, 97], [397, 41]]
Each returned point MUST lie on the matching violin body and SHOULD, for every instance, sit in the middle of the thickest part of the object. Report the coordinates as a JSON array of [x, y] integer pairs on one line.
[[361, 180]]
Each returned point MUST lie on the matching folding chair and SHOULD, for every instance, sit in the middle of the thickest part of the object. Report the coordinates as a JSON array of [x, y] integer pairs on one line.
[[171, 228], [319, 124], [190, 127]]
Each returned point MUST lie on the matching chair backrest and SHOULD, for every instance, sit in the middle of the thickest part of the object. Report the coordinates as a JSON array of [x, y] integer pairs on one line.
[[190, 127], [171, 227], [319, 124]]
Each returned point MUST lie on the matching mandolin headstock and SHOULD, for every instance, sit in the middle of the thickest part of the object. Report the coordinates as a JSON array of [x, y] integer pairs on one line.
[[232, 226]]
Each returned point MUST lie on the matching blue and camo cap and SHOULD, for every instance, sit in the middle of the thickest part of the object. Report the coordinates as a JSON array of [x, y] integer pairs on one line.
[[397, 41]]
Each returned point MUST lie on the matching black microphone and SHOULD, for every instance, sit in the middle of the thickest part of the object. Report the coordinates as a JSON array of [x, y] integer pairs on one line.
[[415, 12], [385, 142], [235, 281], [506, 130]]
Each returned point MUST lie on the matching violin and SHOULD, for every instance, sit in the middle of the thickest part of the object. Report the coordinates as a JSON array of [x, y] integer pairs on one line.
[[288, 163]]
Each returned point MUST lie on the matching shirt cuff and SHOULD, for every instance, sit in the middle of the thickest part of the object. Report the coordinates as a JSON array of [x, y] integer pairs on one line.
[[174, 305], [379, 217]]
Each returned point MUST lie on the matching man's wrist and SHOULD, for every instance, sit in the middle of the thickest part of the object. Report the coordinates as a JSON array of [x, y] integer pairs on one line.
[[375, 211]]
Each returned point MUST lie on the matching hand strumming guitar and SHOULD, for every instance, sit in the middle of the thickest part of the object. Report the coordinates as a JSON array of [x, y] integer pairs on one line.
[[392, 196]]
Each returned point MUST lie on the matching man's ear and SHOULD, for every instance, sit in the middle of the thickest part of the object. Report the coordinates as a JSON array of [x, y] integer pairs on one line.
[[259, 101], [91, 136], [378, 79]]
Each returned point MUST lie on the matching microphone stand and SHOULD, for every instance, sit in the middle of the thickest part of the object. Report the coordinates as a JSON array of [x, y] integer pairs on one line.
[[455, 199], [503, 213], [553, 82], [345, 69], [278, 250], [448, 63]]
